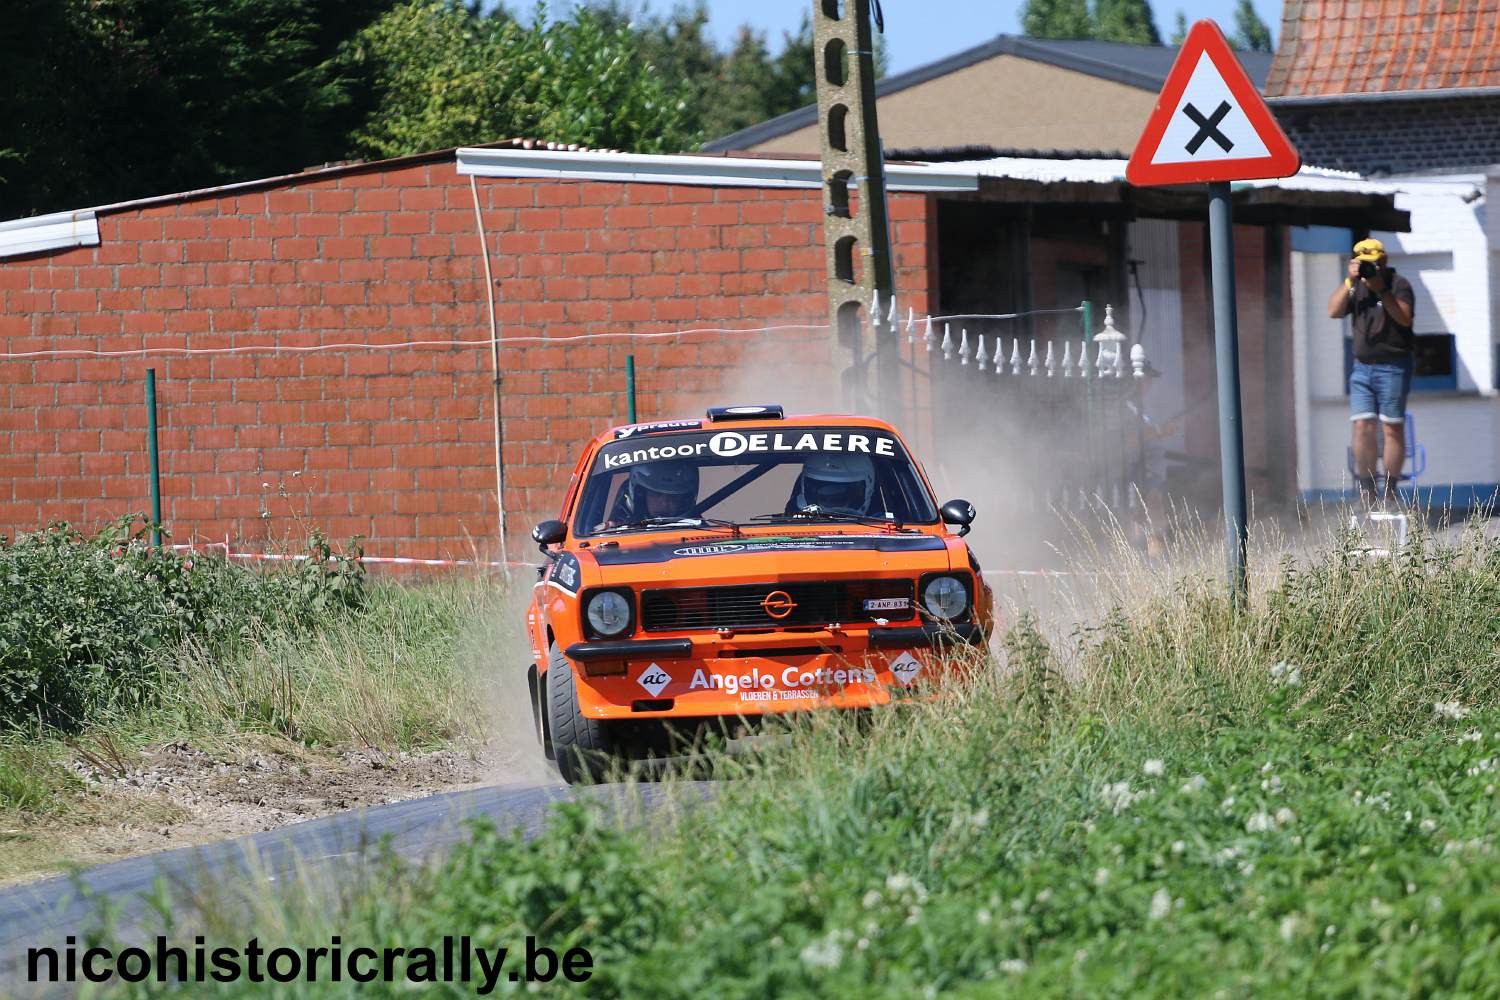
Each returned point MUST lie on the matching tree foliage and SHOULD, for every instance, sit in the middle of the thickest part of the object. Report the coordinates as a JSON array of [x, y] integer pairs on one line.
[[108, 100], [442, 76], [1125, 21], [1250, 32], [113, 99], [1057, 19]]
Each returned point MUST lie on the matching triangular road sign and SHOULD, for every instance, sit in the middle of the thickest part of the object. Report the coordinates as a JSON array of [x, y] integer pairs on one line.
[[1209, 123]]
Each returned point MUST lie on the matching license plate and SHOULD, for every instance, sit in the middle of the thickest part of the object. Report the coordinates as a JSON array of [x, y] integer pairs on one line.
[[888, 604]]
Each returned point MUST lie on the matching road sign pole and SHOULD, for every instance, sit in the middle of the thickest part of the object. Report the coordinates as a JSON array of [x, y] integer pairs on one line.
[[1227, 358]]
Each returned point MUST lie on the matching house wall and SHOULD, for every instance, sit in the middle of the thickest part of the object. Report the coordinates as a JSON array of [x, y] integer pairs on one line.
[[1007, 102], [1450, 259], [396, 445]]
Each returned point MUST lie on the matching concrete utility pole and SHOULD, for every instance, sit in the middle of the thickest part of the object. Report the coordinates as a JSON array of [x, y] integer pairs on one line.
[[858, 242]]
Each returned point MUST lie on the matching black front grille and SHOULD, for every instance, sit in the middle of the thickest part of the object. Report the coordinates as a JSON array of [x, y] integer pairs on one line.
[[745, 607]]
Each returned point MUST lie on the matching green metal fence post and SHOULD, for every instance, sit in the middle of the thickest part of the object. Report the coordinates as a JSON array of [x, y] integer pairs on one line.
[[155, 458], [630, 388]]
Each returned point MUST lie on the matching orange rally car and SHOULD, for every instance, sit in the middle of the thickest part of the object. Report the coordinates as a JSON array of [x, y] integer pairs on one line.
[[737, 566]]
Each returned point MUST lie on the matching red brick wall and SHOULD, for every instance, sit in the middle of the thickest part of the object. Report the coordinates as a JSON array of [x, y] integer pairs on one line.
[[394, 445]]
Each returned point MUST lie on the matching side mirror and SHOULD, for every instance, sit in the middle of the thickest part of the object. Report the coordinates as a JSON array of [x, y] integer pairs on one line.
[[959, 512], [549, 533]]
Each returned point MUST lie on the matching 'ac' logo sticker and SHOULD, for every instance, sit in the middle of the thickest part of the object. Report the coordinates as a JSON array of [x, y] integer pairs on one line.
[[654, 679], [906, 668]]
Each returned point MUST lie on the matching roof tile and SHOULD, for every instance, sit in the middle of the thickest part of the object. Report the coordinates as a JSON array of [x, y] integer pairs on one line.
[[1363, 46]]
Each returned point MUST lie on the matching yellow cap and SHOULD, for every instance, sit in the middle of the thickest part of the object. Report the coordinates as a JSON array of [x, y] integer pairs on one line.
[[1370, 250]]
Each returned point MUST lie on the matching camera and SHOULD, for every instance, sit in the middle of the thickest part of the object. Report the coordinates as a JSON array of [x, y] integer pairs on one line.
[[1368, 269]]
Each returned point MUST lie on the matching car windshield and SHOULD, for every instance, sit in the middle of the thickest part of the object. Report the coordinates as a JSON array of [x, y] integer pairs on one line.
[[858, 475]]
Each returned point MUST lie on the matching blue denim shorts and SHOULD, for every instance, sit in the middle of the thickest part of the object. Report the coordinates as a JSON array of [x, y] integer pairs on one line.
[[1379, 390]]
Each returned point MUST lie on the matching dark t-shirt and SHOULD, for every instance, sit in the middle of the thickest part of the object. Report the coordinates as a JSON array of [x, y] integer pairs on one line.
[[1378, 339]]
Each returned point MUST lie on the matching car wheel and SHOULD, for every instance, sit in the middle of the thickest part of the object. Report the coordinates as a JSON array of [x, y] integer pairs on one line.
[[580, 746]]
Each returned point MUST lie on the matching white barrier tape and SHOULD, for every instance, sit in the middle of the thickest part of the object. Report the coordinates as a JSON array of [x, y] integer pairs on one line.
[[383, 560], [402, 345]]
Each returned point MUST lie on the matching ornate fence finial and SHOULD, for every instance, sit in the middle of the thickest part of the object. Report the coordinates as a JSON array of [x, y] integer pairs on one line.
[[1067, 365], [1051, 361], [979, 356], [1033, 361], [927, 337], [1015, 356], [1138, 360], [1111, 349], [947, 342], [875, 309], [911, 325], [891, 316], [964, 351]]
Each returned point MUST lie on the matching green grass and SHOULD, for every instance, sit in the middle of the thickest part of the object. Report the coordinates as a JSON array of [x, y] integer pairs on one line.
[[1180, 800]]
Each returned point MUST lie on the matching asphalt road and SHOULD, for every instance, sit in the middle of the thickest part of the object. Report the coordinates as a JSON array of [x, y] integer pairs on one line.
[[42, 914]]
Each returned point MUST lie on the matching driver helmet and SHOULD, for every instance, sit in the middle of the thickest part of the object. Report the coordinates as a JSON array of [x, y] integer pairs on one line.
[[837, 481], [663, 489]]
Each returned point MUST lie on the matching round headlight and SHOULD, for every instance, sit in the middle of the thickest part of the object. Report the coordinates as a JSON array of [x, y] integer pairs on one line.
[[945, 597], [608, 613]]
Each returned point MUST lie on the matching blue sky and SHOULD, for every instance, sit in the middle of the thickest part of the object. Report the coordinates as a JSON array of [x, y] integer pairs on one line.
[[920, 31]]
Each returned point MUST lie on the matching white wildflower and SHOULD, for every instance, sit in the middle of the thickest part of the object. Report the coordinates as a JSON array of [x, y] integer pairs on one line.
[[1178, 847], [980, 819], [1044, 895], [1227, 804], [1427, 825], [983, 916], [1296, 840], [872, 899], [1449, 710], [1260, 823], [1229, 853], [1271, 784], [1013, 966], [824, 953], [1289, 927], [1283, 673], [1472, 736], [1330, 930], [1434, 903], [1381, 909], [1411, 887], [1194, 784], [1285, 816], [1154, 768], [1247, 868], [1161, 904], [1266, 767], [1118, 796], [901, 883], [862, 944], [1101, 876], [1483, 766]]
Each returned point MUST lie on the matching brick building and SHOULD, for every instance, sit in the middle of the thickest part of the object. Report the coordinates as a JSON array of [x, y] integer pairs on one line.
[[398, 445]]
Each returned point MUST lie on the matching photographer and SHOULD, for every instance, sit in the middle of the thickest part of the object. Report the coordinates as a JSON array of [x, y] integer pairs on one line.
[[1380, 305]]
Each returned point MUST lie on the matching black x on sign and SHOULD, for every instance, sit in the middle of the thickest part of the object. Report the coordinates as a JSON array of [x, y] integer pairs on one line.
[[1208, 128]]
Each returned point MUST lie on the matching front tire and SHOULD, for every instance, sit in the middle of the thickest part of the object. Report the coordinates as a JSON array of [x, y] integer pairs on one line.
[[580, 746]]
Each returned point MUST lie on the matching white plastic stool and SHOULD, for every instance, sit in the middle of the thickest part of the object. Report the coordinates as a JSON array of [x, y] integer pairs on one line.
[[1386, 523]]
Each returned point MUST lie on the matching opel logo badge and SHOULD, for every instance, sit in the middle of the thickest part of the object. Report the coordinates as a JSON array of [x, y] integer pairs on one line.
[[778, 604]]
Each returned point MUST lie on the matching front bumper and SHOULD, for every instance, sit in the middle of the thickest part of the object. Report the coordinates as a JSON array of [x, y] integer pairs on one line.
[[897, 637], [760, 674]]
